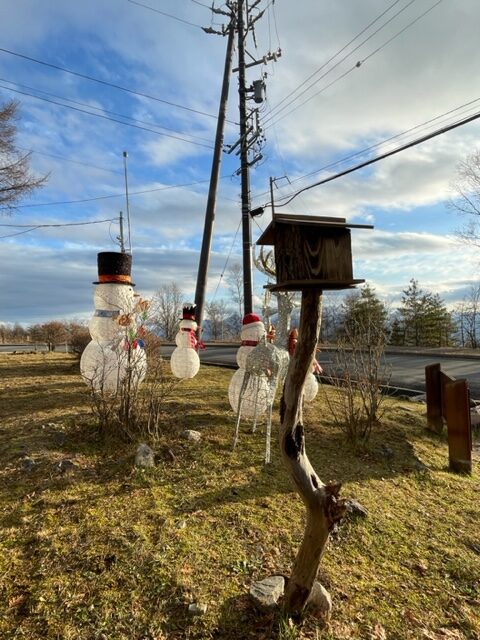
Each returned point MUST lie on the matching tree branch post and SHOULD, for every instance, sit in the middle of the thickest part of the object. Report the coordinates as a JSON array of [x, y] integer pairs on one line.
[[324, 508]]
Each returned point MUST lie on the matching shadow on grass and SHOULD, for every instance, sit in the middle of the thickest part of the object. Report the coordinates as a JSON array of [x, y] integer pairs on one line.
[[241, 620]]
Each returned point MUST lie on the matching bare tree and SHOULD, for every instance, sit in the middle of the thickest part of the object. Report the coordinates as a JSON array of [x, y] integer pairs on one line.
[[53, 333], [468, 318], [287, 301], [217, 315], [466, 185], [166, 310], [16, 180], [235, 284]]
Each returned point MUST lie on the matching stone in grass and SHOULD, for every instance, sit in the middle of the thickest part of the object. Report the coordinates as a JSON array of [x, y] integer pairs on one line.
[[145, 456], [319, 601], [28, 464], [355, 510], [64, 466], [267, 592], [197, 609], [192, 436]]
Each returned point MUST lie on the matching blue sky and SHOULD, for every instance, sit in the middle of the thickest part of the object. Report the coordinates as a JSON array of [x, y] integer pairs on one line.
[[413, 69]]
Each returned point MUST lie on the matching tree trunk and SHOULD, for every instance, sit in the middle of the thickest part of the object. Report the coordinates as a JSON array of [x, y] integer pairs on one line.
[[321, 501]]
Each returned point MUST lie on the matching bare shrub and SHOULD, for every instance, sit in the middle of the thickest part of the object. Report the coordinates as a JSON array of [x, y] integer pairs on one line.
[[360, 374], [129, 407]]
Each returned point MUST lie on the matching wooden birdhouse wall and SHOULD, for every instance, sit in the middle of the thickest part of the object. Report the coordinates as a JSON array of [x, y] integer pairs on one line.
[[305, 253]]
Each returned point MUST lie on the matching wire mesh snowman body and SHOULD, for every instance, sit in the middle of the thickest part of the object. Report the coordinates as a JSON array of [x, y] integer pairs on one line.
[[265, 369]]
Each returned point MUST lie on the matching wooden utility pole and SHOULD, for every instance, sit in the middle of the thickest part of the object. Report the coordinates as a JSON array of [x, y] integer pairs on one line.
[[245, 173], [214, 176]]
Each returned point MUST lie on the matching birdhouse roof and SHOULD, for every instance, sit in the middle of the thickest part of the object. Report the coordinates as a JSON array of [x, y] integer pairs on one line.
[[314, 222]]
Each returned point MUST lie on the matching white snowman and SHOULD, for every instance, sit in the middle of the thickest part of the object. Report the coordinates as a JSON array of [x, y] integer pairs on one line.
[[107, 358], [184, 361], [255, 393]]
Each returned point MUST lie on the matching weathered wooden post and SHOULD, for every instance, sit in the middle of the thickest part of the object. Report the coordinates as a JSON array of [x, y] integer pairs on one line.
[[457, 414], [448, 400], [312, 254], [433, 388]]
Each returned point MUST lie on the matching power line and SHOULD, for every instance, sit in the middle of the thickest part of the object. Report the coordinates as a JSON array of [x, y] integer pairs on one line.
[[200, 4], [41, 226], [356, 66], [104, 117], [387, 154], [58, 157], [379, 144], [168, 15], [341, 51], [105, 83], [116, 195], [112, 113]]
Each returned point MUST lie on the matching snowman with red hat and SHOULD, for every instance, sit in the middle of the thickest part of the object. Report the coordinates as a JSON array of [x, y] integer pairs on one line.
[[249, 400], [184, 361]]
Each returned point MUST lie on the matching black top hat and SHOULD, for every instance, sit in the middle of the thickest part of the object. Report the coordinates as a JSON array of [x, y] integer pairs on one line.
[[188, 311], [114, 268]]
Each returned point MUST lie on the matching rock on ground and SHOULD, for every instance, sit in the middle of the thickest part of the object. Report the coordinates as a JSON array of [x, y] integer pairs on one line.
[[267, 592], [192, 436], [319, 601], [145, 457]]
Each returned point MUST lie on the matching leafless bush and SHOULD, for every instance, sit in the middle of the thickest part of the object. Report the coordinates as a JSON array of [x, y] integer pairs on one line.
[[360, 373], [127, 406]]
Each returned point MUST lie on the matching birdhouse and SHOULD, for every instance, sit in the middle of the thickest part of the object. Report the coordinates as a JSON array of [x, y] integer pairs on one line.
[[311, 252]]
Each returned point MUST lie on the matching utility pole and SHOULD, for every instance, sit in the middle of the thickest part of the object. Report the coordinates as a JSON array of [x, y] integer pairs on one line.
[[245, 173], [250, 134], [215, 172]]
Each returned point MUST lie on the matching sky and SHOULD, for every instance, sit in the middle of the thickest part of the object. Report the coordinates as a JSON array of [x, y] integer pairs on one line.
[[351, 75]]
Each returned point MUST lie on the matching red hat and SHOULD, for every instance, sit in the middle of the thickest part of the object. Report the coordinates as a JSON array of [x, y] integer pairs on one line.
[[249, 318]]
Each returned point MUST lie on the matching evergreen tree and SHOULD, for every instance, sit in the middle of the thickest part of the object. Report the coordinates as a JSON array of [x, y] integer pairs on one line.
[[364, 316], [423, 318]]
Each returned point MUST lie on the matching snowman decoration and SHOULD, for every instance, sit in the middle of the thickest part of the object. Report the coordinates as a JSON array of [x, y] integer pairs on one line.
[[109, 356], [184, 361], [249, 394]]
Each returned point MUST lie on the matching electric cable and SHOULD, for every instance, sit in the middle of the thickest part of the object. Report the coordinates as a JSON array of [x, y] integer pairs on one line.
[[422, 125], [104, 117], [106, 83], [463, 108], [116, 195], [112, 113], [41, 226], [65, 159], [387, 154], [168, 15], [356, 66], [226, 261], [343, 49]]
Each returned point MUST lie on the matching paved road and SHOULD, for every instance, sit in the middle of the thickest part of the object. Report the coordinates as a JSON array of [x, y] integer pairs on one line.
[[407, 369], [39, 347]]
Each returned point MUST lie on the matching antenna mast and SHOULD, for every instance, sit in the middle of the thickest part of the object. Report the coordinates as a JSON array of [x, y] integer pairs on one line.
[[125, 156], [120, 237]]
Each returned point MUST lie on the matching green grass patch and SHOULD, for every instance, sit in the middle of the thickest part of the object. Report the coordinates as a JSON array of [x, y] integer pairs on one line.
[[106, 551]]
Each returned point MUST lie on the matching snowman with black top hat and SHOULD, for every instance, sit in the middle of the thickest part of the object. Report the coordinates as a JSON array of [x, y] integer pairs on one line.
[[112, 353], [184, 361]]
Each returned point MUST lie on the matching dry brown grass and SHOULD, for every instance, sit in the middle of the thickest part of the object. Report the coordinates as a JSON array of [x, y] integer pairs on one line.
[[105, 551]]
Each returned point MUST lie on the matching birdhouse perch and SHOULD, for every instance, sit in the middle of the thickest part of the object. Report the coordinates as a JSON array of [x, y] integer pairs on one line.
[[311, 252]]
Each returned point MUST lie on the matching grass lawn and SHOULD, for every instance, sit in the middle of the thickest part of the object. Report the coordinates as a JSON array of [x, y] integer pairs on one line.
[[106, 551]]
